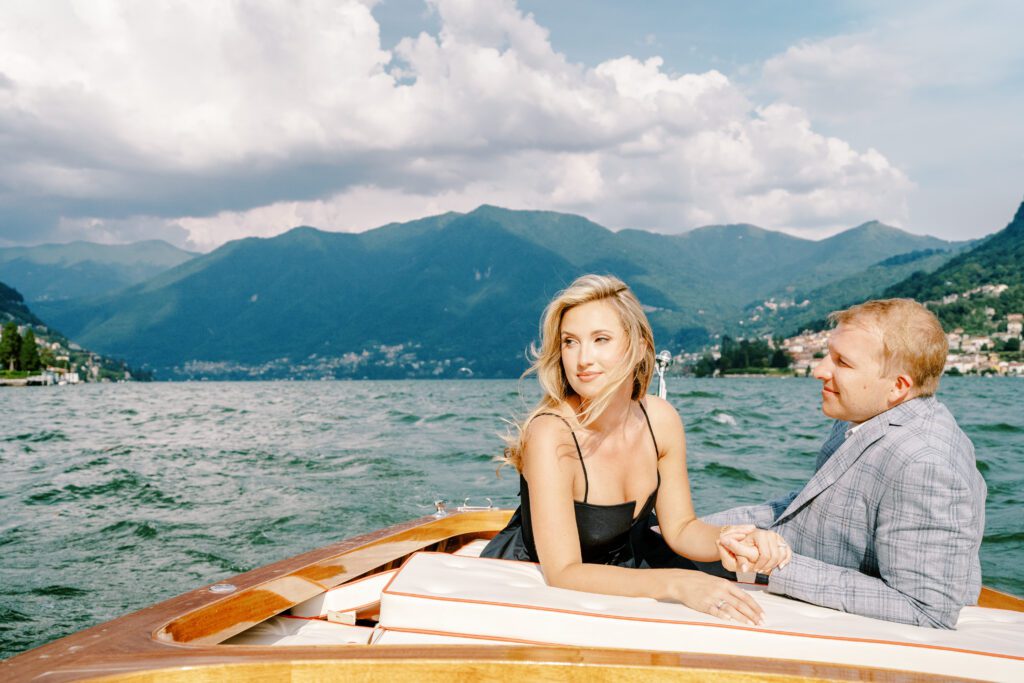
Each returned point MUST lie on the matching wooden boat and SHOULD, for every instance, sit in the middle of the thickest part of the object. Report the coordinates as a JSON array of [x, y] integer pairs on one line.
[[187, 637]]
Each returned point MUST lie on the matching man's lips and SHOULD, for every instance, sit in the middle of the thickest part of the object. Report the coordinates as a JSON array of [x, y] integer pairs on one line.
[[826, 390]]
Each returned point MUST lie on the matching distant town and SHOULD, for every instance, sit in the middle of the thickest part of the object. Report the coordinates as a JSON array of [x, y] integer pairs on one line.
[[31, 359], [993, 353]]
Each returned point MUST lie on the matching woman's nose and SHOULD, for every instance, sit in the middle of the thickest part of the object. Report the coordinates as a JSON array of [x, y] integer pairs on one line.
[[586, 354]]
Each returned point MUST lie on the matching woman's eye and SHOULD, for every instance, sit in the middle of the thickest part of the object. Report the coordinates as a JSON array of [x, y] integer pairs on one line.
[[601, 339]]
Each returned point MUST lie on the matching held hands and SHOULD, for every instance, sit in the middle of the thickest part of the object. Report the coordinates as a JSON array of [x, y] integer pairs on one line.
[[746, 548]]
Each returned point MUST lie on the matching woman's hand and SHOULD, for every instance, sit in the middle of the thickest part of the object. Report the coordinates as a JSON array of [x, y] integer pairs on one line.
[[735, 553], [718, 597], [760, 550]]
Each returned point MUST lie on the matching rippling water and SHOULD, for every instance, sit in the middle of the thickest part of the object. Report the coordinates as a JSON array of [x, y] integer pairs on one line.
[[118, 496]]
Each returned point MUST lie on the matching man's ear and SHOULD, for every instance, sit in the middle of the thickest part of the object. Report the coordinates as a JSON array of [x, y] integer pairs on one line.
[[902, 389]]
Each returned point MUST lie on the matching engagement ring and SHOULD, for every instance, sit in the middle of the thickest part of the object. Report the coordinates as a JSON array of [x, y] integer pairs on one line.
[[718, 605]]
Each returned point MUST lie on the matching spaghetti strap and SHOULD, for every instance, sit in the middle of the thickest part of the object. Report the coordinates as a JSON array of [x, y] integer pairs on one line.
[[579, 453], [651, 430], [614, 534]]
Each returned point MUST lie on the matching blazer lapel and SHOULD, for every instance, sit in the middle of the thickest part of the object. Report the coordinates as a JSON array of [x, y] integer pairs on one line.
[[842, 459]]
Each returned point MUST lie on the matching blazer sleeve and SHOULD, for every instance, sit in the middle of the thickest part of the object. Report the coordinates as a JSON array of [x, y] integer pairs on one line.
[[926, 538], [761, 516]]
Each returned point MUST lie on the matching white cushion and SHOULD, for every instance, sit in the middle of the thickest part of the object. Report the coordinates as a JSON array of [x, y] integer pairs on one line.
[[283, 630], [355, 596], [442, 593], [472, 549]]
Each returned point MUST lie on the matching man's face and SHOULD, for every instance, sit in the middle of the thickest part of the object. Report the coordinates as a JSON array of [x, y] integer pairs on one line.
[[853, 388]]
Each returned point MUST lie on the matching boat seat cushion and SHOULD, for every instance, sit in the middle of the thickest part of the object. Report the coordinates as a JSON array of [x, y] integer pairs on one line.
[[356, 596], [472, 596], [284, 630], [472, 549]]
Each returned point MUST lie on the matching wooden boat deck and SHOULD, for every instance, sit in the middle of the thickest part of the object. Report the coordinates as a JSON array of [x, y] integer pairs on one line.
[[179, 639]]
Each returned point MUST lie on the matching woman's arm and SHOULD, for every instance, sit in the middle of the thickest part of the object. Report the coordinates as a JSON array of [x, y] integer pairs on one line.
[[689, 536], [549, 465], [683, 531]]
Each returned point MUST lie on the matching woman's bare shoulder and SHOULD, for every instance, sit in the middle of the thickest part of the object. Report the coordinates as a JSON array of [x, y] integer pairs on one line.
[[549, 438], [549, 426], [660, 410]]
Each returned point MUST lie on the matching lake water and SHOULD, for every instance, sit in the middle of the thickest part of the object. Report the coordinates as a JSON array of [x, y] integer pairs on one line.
[[118, 496]]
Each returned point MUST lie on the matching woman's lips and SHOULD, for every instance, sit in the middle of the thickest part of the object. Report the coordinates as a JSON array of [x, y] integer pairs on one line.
[[586, 376]]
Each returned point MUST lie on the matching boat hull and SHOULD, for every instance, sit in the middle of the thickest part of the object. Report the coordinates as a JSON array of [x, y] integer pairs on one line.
[[180, 637]]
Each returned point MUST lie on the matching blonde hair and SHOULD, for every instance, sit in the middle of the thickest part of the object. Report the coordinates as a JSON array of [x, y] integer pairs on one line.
[[913, 340], [637, 367]]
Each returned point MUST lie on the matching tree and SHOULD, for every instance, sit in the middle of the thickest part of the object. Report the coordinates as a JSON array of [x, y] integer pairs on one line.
[[705, 367], [1012, 344], [780, 359], [10, 347], [46, 357], [29, 352]]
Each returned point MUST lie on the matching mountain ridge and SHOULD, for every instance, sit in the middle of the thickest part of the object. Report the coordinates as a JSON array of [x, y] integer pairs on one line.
[[441, 294], [76, 269]]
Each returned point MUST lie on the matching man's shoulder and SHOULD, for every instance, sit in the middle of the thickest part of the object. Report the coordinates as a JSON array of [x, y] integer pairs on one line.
[[924, 428]]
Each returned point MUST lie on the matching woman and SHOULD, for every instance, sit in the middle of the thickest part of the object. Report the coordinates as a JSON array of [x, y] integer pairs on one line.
[[597, 454]]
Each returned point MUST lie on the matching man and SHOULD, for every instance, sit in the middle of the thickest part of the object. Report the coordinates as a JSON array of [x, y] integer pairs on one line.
[[891, 522]]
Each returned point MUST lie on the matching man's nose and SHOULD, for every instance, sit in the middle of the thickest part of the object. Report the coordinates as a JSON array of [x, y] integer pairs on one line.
[[823, 370]]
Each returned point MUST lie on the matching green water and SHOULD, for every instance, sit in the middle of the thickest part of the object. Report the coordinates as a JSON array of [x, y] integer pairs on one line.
[[118, 496]]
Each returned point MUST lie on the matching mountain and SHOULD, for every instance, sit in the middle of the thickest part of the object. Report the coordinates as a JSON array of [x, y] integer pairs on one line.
[[13, 308], [51, 272], [741, 263], [799, 308], [444, 295], [996, 260], [57, 349]]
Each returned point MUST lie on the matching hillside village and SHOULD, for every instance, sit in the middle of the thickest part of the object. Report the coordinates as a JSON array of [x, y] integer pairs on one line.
[[54, 361], [993, 353]]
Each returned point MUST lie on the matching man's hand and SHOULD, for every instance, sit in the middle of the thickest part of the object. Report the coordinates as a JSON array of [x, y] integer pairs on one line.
[[756, 550], [735, 553]]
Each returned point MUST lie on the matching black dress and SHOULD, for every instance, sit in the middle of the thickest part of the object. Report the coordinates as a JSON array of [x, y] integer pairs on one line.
[[609, 534]]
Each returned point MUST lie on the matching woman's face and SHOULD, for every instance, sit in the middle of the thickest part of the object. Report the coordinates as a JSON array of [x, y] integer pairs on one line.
[[594, 345]]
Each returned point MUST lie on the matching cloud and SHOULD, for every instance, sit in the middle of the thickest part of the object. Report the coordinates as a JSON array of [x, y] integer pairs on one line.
[[939, 86], [206, 122], [911, 47]]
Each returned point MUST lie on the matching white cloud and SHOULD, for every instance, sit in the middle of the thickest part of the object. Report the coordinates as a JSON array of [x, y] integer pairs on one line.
[[939, 87], [911, 47], [235, 118]]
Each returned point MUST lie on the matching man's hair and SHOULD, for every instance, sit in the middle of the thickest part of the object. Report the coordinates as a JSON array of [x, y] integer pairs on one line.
[[912, 338]]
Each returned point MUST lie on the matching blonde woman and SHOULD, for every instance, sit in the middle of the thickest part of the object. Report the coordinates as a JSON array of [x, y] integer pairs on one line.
[[598, 454]]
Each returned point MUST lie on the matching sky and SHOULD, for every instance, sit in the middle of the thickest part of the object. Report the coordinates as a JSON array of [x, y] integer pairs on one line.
[[203, 122]]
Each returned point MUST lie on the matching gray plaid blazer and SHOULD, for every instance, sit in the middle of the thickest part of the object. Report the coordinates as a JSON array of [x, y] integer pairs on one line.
[[890, 524]]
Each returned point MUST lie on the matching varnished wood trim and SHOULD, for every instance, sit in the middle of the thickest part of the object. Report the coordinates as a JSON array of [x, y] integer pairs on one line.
[[999, 600], [298, 579], [426, 671], [470, 662]]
